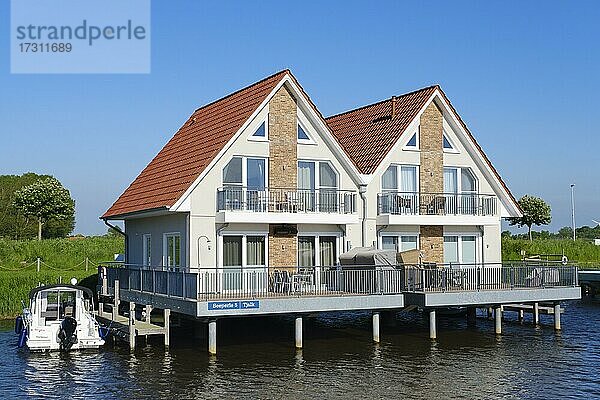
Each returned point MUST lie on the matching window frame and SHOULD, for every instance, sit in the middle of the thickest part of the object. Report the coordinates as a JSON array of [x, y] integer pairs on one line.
[[416, 133], [459, 180], [244, 184], [310, 140], [265, 138], [317, 171], [399, 177], [165, 257], [244, 236], [398, 236], [147, 250], [315, 236], [478, 250]]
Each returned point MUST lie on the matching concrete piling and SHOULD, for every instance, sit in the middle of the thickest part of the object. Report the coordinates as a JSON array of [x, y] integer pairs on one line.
[[536, 313], [131, 326], [115, 310], [498, 319], [167, 316], [521, 315], [376, 327], [212, 337], [557, 317], [432, 327], [298, 330]]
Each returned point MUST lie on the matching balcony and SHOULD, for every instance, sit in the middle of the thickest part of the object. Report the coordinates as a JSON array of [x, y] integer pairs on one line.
[[292, 206], [436, 208]]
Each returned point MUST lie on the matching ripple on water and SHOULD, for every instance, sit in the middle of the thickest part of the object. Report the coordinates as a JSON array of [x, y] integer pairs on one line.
[[257, 360]]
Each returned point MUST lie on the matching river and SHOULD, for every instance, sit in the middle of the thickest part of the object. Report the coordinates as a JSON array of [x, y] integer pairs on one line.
[[257, 360]]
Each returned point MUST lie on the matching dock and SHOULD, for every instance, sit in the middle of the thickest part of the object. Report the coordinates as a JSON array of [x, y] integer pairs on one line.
[[128, 328], [209, 295]]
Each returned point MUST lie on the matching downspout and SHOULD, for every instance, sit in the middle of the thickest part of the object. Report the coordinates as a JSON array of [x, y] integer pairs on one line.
[[379, 230], [362, 190], [118, 230], [481, 229]]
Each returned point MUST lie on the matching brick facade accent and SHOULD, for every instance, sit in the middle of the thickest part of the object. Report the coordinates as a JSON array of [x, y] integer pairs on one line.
[[283, 250], [431, 177], [432, 236], [283, 140], [283, 168]]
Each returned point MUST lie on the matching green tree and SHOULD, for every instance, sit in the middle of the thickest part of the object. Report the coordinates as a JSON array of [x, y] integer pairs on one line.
[[45, 200], [566, 232], [535, 212]]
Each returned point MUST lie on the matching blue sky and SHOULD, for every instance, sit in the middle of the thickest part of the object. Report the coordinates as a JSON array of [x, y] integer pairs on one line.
[[523, 75]]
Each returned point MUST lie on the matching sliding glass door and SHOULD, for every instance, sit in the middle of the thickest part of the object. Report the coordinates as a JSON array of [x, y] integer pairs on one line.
[[244, 265]]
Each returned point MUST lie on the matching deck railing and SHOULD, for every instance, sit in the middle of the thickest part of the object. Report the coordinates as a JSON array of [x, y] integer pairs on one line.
[[450, 277], [414, 203], [286, 200], [260, 282]]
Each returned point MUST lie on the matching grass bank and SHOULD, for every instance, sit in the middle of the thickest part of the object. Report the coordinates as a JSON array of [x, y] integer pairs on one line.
[[61, 260], [581, 251]]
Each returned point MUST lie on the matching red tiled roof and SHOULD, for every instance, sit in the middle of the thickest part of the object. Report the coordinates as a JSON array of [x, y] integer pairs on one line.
[[191, 150], [367, 134]]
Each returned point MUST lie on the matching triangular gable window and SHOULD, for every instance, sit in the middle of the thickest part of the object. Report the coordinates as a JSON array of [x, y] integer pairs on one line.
[[261, 132], [447, 144], [412, 142], [302, 135]]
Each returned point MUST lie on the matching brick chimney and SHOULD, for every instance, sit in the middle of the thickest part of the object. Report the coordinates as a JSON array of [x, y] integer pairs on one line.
[[394, 101]]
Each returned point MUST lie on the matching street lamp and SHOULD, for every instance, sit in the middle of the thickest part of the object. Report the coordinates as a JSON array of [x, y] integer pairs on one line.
[[573, 208]]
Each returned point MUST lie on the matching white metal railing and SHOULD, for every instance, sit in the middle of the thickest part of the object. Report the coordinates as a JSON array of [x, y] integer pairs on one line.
[[262, 282], [416, 203], [286, 200], [448, 278]]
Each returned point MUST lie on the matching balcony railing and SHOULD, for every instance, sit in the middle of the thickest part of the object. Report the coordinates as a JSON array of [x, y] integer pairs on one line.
[[413, 203], [286, 200], [262, 282]]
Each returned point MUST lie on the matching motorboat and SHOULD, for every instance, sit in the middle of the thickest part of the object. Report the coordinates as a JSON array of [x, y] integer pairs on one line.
[[59, 317]]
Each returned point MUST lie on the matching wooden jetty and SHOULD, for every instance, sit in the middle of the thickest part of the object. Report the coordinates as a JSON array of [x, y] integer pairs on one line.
[[127, 327]]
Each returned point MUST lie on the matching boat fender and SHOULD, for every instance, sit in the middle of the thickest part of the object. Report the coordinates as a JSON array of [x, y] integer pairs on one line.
[[103, 332], [564, 260], [19, 325], [22, 338]]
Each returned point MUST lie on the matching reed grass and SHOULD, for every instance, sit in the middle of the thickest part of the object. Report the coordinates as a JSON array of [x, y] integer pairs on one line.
[[61, 260], [580, 251]]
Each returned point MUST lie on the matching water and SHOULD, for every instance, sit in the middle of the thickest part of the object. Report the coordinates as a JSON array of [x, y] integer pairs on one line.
[[257, 360]]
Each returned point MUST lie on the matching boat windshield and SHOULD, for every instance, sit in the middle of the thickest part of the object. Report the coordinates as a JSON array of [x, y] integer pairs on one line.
[[58, 304]]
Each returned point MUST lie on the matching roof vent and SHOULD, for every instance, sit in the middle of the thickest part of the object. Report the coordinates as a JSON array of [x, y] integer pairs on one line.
[[394, 101]]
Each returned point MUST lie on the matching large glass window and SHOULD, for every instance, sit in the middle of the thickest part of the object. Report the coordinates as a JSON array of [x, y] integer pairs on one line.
[[467, 181], [255, 251], [450, 180], [399, 243], [306, 251], [327, 250], [389, 243], [256, 173], [232, 173], [327, 176], [389, 180], [460, 249], [468, 248]]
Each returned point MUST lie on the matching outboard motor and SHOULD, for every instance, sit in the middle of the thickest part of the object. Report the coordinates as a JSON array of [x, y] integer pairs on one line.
[[66, 334]]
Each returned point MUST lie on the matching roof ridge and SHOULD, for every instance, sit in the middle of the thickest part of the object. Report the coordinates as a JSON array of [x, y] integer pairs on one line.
[[286, 70], [383, 101]]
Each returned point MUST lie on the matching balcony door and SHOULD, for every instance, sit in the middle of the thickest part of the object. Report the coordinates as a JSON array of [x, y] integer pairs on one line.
[[244, 184], [243, 263], [460, 249], [460, 191], [306, 185], [399, 190], [318, 187]]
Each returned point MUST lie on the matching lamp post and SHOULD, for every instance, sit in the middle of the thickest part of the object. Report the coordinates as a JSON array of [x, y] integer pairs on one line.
[[573, 208]]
